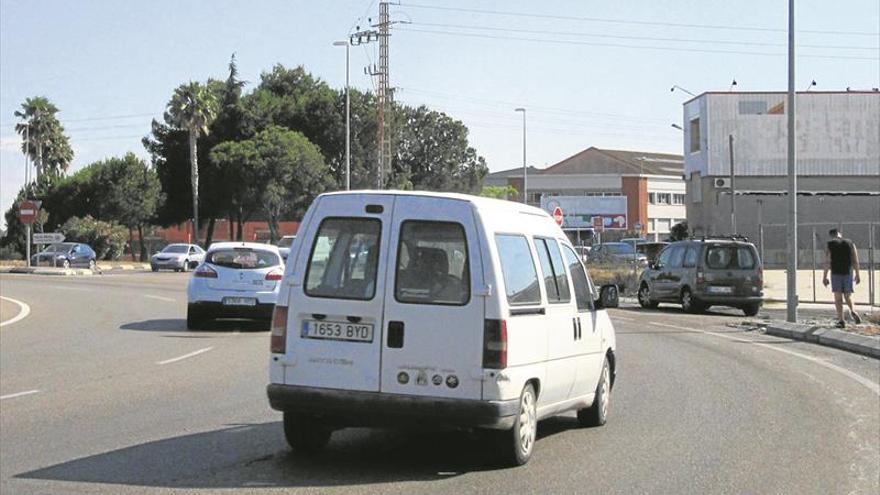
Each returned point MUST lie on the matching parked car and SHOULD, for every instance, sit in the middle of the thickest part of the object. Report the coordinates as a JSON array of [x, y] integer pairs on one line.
[[177, 257], [235, 280], [437, 310], [66, 255], [651, 249], [617, 252], [284, 246], [701, 273]]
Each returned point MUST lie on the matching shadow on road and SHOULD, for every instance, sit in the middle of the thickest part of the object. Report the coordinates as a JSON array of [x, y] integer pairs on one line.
[[179, 325], [255, 455], [676, 310]]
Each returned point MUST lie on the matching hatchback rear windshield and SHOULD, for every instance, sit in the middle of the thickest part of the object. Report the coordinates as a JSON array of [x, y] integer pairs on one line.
[[344, 259], [243, 258], [730, 258]]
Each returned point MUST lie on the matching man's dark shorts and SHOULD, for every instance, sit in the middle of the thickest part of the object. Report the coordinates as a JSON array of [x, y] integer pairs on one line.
[[842, 283]]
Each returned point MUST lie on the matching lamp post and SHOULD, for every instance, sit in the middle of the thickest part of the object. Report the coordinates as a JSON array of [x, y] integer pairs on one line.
[[346, 44], [525, 195]]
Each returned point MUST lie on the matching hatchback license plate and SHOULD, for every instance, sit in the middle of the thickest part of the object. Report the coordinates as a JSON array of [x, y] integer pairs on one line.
[[239, 301], [337, 330], [720, 289]]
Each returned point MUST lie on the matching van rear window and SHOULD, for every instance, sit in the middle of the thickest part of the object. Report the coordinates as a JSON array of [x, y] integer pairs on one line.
[[344, 259], [518, 268], [730, 258], [432, 264]]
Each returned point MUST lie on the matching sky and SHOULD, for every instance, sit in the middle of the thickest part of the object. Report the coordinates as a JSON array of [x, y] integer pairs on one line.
[[589, 72]]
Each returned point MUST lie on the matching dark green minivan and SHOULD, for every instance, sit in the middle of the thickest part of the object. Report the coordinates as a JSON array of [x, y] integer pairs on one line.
[[699, 273]]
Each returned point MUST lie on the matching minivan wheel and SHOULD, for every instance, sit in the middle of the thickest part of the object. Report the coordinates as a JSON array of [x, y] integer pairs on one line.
[[645, 297], [305, 433], [519, 442], [689, 303], [597, 414], [751, 309]]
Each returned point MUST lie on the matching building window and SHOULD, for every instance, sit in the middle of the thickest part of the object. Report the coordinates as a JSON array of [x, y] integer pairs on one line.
[[533, 198], [695, 135], [664, 198], [696, 188], [678, 199], [652, 198]]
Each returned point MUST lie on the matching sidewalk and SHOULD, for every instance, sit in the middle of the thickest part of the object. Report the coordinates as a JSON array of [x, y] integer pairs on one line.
[[775, 287]]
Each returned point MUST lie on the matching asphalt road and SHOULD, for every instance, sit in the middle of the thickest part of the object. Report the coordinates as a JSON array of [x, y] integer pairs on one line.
[[118, 397]]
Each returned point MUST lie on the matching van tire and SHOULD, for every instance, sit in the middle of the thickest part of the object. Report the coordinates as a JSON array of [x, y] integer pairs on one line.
[[689, 303], [518, 443], [305, 433], [644, 297], [597, 414], [751, 309]]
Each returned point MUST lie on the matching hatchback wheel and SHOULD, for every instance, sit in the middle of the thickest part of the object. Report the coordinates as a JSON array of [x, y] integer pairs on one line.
[[597, 414], [645, 297], [305, 433], [519, 442]]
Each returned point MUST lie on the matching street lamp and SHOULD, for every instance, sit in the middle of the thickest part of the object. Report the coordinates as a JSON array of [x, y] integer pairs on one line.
[[676, 86], [346, 44], [525, 173], [676, 126]]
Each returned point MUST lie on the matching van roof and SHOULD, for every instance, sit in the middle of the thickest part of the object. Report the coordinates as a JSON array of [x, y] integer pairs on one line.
[[478, 201]]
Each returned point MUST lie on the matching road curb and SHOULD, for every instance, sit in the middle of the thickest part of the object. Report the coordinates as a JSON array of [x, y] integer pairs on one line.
[[63, 272], [829, 337]]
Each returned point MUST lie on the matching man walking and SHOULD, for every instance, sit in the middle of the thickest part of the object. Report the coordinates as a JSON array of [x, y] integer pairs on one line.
[[842, 258]]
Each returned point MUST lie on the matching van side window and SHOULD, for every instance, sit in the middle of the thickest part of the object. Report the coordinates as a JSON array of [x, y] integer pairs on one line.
[[432, 264], [344, 259], [559, 270], [690, 257], [677, 257], [582, 293], [665, 255], [518, 268], [547, 270], [555, 280]]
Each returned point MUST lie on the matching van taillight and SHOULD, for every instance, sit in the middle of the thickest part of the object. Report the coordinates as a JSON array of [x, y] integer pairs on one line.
[[700, 278], [495, 344], [275, 275], [279, 330]]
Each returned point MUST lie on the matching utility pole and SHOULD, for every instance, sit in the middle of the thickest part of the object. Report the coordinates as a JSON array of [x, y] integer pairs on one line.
[[525, 191], [27, 154], [347, 45], [791, 281], [732, 189]]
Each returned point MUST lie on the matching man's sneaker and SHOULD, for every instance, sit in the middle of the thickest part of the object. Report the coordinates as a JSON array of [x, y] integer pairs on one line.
[[841, 324], [856, 318]]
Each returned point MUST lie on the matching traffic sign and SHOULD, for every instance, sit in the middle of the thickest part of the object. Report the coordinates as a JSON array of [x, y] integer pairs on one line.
[[27, 211], [48, 238], [598, 224], [638, 228], [557, 215]]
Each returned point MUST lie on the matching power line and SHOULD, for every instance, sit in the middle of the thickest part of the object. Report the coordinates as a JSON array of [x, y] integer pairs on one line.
[[638, 38], [618, 45], [628, 21]]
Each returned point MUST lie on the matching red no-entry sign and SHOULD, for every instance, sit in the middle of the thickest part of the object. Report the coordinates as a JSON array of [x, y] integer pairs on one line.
[[27, 211], [557, 215]]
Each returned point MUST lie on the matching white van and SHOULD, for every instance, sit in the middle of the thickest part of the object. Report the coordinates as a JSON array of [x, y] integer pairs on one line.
[[436, 309]]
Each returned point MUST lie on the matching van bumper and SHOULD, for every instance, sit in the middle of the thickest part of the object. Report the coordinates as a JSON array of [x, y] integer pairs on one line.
[[725, 300], [359, 408]]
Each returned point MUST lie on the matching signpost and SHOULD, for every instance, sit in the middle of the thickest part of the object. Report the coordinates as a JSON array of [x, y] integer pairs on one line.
[[48, 238], [598, 227], [27, 214], [557, 215]]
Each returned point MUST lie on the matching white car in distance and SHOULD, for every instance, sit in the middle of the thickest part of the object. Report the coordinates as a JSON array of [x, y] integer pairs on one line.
[[235, 280], [284, 246], [177, 257]]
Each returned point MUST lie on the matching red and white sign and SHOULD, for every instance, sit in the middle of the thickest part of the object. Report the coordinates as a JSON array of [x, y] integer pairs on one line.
[[598, 224], [557, 215], [27, 211]]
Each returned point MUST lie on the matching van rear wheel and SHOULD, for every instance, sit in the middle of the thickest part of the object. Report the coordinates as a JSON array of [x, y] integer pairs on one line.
[[751, 309], [518, 443], [689, 303], [305, 433], [597, 414]]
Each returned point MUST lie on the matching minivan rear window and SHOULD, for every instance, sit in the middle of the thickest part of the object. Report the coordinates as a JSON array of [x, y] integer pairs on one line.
[[518, 268], [243, 258], [730, 258], [344, 259], [432, 264]]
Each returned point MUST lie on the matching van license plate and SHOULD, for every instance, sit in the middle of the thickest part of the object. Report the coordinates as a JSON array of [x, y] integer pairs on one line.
[[719, 289], [239, 301], [337, 330]]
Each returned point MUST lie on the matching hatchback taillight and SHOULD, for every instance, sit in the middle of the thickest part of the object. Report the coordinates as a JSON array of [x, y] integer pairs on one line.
[[275, 275], [278, 339], [495, 344], [205, 271]]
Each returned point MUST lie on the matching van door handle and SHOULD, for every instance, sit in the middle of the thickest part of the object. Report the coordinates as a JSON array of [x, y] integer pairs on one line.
[[354, 319], [318, 316], [395, 334], [575, 326]]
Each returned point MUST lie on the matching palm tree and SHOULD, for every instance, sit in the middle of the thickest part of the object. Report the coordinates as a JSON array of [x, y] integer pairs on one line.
[[192, 108], [43, 138]]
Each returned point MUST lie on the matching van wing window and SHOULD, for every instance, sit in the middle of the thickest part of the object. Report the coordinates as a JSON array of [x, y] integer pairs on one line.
[[555, 279], [547, 270], [582, 293], [344, 259], [432, 264], [559, 271], [518, 269]]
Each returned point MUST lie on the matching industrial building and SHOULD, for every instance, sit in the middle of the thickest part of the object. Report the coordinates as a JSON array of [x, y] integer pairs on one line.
[[838, 167]]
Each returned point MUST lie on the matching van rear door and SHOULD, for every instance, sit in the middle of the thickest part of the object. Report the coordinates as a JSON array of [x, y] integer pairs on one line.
[[433, 343], [335, 325]]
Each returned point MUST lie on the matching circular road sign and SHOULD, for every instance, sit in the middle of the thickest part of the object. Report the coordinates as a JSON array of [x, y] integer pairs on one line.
[[27, 211], [557, 215]]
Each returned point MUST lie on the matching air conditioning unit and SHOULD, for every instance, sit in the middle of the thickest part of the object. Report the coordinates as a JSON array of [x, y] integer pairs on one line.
[[721, 183]]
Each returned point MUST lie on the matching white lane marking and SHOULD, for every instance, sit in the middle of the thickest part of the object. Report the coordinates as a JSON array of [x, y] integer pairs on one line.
[[873, 387], [185, 356], [159, 298], [24, 310], [621, 318], [81, 289], [19, 394]]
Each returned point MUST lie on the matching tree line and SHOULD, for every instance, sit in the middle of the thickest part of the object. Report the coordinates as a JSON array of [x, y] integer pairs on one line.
[[262, 154]]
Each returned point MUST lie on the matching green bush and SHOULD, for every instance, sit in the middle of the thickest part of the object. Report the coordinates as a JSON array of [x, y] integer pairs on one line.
[[106, 238], [10, 253]]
